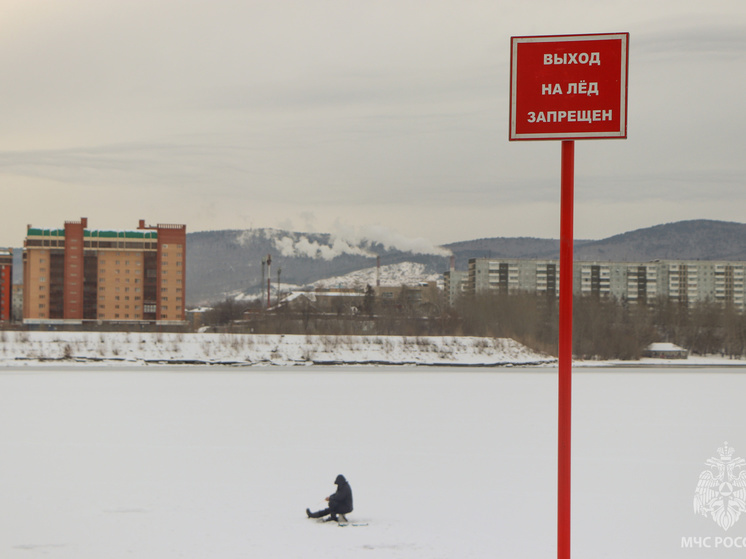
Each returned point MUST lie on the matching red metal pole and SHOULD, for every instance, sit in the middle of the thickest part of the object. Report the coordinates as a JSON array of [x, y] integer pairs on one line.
[[565, 350]]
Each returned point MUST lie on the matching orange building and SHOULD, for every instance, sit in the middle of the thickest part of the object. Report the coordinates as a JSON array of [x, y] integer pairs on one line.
[[6, 284], [76, 274]]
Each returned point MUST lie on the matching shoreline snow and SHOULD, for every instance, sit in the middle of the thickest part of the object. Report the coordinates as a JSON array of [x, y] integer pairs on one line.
[[38, 348], [243, 350]]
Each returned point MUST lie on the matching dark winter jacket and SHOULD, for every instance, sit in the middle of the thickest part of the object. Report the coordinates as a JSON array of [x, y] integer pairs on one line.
[[341, 501]]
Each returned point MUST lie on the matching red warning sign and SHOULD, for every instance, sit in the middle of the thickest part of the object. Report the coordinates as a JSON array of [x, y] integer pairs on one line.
[[568, 87]]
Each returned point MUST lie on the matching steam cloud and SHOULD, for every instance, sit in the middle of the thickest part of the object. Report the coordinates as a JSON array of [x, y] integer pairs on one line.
[[356, 242], [393, 240], [312, 249]]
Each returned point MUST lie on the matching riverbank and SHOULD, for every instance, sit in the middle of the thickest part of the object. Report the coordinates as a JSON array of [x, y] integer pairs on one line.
[[117, 348], [36, 348]]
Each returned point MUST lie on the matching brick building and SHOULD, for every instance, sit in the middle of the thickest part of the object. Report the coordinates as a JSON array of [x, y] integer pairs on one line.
[[76, 274], [6, 284]]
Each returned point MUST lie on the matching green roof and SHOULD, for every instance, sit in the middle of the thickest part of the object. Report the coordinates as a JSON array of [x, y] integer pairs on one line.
[[95, 233], [36, 232]]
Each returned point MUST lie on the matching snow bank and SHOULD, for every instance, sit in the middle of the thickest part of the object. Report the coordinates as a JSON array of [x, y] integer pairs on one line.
[[246, 349]]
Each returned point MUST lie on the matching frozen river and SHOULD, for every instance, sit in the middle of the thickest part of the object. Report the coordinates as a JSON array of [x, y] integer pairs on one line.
[[199, 462]]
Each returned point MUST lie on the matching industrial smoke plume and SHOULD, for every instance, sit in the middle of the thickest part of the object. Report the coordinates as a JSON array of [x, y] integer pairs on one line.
[[350, 240]]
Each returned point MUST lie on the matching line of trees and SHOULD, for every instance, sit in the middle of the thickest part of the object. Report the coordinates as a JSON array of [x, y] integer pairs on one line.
[[603, 328]]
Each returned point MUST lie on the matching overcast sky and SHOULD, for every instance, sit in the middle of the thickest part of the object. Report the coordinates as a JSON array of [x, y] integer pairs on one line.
[[355, 116]]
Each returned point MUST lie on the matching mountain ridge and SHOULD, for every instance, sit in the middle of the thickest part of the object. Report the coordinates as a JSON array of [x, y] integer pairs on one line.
[[228, 262]]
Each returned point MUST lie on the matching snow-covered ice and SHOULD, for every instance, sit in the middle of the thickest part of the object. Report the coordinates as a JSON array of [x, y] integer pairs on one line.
[[194, 462]]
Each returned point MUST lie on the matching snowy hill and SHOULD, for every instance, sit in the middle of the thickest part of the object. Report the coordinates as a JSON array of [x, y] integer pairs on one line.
[[405, 273], [231, 263]]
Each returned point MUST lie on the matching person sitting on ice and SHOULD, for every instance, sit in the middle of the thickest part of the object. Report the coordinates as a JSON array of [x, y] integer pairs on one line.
[[340, 502]]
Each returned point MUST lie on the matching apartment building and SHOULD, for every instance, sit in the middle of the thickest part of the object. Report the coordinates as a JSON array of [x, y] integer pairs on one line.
[[75, 274], [510, 275], [624, 280], [684, 281], [456, 283], [6, 284]]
